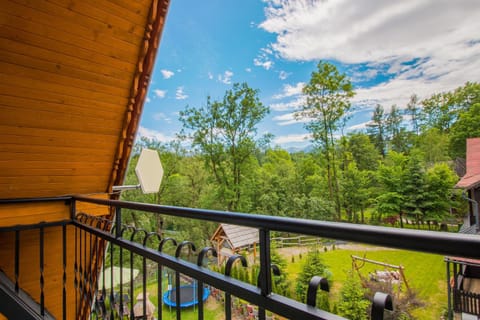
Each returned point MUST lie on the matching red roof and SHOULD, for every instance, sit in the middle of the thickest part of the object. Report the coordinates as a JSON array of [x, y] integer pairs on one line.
[[472, 177]]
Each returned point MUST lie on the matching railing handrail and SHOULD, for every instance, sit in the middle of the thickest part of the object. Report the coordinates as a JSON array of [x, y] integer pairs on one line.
[[446, 243]]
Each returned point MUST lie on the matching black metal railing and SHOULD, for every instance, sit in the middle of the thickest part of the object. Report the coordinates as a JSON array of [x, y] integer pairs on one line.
[[101, 244]]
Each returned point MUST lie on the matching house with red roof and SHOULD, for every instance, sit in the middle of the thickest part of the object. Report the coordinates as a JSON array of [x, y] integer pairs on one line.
[[470, 182], [463, 274]]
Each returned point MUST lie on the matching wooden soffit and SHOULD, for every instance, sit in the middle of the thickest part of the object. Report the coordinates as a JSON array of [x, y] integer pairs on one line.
[[73, 80]]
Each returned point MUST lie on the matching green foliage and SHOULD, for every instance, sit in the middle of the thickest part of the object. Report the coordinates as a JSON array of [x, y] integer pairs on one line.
[[467, 126], [353, 304], [224, 131], [327, 105], [313, 266]]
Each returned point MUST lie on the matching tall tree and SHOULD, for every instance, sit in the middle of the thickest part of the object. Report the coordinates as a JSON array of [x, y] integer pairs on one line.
[[224, 131], [394, 129], [413, 111], [467, 126], [328, 96], [376, 129]]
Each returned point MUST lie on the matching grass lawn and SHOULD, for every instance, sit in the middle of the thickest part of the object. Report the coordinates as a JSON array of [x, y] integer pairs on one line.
[[424, 272]]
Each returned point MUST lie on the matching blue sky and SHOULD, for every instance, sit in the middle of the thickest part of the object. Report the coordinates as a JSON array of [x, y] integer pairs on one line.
[[390, 50]]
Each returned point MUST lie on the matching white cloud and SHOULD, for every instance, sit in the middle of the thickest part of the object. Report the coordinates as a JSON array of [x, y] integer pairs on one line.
[[167, 74], [226, 77], [283, 75], [161, 116], [422, 46], [180, 94], [290, 138], [360, 126], [248, 69], [288, 119], [148, 100], [290, 90], [210, 76], [263, 61], [153, 134], [294, 104], [160, 93]]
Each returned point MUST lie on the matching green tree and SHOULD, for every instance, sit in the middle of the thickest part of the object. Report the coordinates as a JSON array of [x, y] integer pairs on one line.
[[356, 191], [353, 304], [376, 129], [440, 196], [327, 104], [414, 187], [413, 111], [467, 126], [313, 266], [363, 151], [224, 131], [433, 144], [390, 175], [394, 130]]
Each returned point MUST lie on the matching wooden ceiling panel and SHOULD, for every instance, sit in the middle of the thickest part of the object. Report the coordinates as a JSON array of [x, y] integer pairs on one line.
[[120, 50], [78, 24], [69, 50], [73, 76], [44, 137]]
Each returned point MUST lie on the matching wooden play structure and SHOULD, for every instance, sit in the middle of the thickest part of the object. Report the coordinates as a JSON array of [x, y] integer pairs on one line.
[[392, 273]]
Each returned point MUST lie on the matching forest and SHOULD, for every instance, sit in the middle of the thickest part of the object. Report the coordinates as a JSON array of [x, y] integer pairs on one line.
[[402, 167]]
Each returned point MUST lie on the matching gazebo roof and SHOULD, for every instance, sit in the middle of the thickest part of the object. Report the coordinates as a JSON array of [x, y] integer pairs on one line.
[[237, 236]]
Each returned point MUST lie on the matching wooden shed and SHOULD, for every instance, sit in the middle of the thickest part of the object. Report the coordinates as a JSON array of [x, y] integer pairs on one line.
[[229, 239], [73, 81]]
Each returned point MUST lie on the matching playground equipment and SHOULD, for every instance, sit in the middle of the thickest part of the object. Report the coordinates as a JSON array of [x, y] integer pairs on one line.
[[188, 296], [392, 273]]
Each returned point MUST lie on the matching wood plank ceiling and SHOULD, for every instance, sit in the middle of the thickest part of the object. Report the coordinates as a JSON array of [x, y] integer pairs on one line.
[[73, 77]]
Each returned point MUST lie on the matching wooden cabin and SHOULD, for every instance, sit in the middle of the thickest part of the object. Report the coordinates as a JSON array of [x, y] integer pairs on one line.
[[73, 81]]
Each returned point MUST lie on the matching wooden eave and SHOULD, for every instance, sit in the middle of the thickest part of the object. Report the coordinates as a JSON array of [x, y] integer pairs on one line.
[[73, 81]]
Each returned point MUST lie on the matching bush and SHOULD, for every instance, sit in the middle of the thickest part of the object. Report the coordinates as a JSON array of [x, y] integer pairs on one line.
[[353, 304]]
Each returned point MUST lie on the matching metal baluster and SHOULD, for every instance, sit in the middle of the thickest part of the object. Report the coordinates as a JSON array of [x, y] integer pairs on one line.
[[120, 235], [42, 281], [178, 301], [315, 283], [381, 301], [17, 259], [64, 256], [159, 271], [265, 276], [228, 271], [112, 296], [75, 272], [200, 289], [132, 237], [145, 242]]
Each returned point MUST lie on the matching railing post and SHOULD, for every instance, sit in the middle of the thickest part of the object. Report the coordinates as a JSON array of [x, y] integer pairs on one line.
[[64, 258], [178, 300], [17, 259], [42, 280], [265, 275], [118, 221], [200, 258]]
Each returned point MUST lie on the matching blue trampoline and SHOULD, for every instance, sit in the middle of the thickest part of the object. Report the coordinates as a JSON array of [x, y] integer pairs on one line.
[[188, 296]]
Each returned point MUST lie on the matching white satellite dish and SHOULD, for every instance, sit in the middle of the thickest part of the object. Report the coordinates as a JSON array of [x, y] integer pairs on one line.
[[149, 172]]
